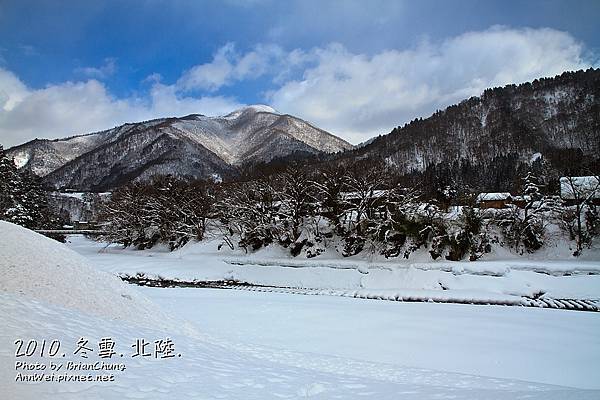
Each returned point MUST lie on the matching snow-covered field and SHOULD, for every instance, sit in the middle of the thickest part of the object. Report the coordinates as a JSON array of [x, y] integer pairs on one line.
[[536, 345], [244, 345]]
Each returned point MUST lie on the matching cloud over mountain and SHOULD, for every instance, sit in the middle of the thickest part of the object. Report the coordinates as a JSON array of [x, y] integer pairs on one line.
[[353, 95], [358, 96]]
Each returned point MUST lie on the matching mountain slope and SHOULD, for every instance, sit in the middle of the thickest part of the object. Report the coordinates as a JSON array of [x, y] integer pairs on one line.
[[193, 146], [43, 156], [558, 118]]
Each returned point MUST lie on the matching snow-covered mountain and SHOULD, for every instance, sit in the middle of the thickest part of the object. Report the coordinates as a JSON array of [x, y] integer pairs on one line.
[[192, 146], [488, 141]]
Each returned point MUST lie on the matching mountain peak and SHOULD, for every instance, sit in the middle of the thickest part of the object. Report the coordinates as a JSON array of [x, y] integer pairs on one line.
[[193, 146], [260, 108], [254, 108]]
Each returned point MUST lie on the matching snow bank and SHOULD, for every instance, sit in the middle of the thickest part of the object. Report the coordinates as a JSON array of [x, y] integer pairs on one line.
[[507, 280], [43, 269]]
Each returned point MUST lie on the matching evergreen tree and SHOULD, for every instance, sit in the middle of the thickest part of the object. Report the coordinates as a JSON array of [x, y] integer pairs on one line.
[[9, 180], [525, 227], [23, 200]]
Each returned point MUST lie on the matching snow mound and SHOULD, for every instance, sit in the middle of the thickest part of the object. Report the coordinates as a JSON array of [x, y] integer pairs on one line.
[[41, 268]]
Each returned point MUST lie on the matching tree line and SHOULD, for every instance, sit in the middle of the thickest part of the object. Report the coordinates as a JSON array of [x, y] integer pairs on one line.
[[351, 208]]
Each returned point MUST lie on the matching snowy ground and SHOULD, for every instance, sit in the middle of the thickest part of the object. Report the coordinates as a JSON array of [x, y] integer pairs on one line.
[[217, 369], [537, 345], [497, 280], [244, 345]]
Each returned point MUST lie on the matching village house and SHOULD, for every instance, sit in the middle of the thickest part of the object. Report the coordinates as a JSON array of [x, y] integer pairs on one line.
[[494, 200]]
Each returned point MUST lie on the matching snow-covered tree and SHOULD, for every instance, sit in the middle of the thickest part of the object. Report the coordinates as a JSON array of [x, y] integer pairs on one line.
[[250, 211], [579, 194], [364, 195], [296, 196], [525, 227], [365, 184], [330, 185], [166, 210], [23, 199], [398, 221], [125, 221]]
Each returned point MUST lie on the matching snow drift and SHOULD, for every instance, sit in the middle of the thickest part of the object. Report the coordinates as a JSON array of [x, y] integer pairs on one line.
[[43, 269]]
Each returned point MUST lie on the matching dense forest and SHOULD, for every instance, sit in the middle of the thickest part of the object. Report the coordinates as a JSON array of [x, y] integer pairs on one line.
[[488, 142]]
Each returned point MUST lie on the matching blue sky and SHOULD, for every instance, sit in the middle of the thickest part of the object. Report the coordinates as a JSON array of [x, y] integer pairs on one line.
[[355, 68]]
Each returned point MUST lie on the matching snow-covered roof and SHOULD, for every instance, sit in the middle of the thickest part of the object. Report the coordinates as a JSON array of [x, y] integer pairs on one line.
[[356, 195], [493, 196], [579, 187]]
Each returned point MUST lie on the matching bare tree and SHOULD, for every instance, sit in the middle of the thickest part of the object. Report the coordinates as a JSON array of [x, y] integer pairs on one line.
[[579, 194], [296, 193], [250, 211]]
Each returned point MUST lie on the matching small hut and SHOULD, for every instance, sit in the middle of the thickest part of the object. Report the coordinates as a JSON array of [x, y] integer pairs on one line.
[[494, 200]]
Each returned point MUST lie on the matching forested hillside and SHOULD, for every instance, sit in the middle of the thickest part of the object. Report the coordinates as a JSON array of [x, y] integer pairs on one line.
[[489, 142]]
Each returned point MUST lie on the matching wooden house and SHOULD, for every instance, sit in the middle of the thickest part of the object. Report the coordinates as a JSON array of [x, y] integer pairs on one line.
[[494, 200]]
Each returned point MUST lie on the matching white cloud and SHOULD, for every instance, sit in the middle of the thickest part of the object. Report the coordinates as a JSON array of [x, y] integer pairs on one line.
[[357, 96], [166, 102], [81, 107], [229, 66], [105, 70], [28, 50], [12, 90]]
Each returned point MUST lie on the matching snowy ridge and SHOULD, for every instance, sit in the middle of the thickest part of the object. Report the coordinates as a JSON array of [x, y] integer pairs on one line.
[[253, 108], [43, 156], [192, 146], [549, 116]]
